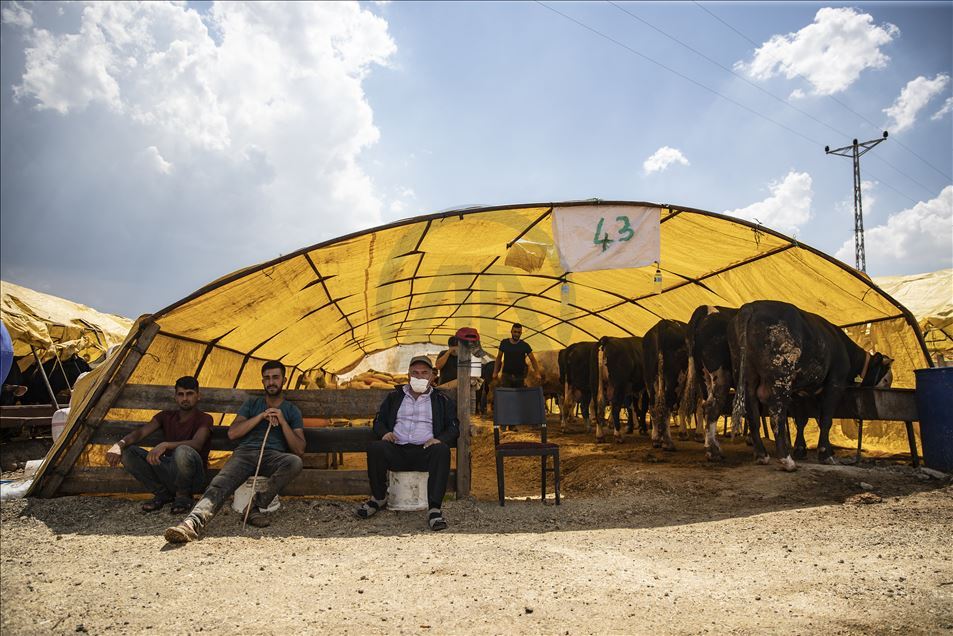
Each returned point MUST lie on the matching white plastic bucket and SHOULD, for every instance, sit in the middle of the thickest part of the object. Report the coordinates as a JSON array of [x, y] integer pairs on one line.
[[244, 492], [407, 490], [59, 422]]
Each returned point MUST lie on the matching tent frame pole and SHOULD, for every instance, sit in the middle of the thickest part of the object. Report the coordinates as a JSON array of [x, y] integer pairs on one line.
[[46, 380]]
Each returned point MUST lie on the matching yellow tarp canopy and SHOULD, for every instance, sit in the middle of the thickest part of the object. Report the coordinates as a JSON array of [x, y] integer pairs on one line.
[[419, 280], [930, 297], [55, 325]]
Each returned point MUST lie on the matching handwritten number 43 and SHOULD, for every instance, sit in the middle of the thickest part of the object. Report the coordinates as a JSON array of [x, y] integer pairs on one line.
[[624, 232]]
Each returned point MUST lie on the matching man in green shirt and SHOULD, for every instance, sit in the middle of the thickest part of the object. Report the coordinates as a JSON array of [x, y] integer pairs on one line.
[[280, 463]]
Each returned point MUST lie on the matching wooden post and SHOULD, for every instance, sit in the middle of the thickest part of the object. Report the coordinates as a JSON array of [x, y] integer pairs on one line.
[[59, 468], [463, 414], [46, 380]]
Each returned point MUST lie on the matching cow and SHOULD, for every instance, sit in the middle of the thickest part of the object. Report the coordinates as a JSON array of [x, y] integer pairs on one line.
[[483, 390], [665, 364], [577, 366], [781, 352], [548, 375], [709, 379], [623, 384], [37, 392]]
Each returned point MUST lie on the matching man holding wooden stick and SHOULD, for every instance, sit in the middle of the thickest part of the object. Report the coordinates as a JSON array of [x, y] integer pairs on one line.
[[275, 454]]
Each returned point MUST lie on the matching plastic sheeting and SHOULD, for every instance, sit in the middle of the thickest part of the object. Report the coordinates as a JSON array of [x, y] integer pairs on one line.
[[52, 324], [930, 297]]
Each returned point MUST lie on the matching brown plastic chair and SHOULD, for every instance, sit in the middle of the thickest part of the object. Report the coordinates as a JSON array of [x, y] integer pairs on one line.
[[523, 407]]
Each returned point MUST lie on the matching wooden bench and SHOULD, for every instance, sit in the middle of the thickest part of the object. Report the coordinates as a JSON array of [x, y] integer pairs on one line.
[[351, 404]]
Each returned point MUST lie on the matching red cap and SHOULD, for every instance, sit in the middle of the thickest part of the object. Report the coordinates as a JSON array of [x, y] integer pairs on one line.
[[468, 334]]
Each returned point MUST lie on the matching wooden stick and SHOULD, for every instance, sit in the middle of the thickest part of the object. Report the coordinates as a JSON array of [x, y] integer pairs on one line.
[[254, 481]]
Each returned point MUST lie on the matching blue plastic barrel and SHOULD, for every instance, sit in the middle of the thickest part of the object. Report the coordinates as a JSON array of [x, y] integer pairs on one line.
[[935, 406]]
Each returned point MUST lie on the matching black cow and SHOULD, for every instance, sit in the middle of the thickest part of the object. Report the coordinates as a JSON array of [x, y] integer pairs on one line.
[[624, 383], [577, 368], [37, 392], [782, 352], [482, 393], [665, 362], [709, 380]]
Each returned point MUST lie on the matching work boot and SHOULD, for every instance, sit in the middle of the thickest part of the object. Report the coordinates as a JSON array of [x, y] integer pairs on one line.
[[258, 518], [185, 531]]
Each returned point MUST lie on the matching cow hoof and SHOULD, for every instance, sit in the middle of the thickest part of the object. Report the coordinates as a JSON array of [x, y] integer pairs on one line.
[[788, 464], [800, 452], [601, 440], [618, 440], [764, 461], [629, 430], [656, 444], [831, 461], [714, 457]]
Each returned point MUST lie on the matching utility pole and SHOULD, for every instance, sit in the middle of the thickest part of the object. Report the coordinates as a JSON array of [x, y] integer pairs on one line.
[[855, 150]]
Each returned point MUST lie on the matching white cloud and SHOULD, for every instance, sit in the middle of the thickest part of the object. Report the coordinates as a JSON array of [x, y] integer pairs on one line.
[[913, 98], [788, 207], [917, 239], [157, 65], [157, 161], [947, 107], [830, 53], [662, 159], [259, 111], [797, 93], [16, 15]]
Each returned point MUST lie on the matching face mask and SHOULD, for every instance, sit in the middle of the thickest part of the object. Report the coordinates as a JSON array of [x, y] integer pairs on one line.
[[419, 385]]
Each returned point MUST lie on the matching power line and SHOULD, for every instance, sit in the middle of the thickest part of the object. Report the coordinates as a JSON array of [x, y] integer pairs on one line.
[[846, 107], [814, 142], [682, 75]]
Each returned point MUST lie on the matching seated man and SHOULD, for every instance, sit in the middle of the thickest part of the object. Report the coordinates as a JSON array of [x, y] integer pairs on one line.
[[416, 426], [280, 461], [174, 468]]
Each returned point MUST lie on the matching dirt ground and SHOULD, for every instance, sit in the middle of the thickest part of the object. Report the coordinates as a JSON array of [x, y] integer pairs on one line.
[[644, 542]]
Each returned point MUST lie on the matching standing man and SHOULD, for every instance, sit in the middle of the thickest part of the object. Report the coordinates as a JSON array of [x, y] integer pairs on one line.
[[512, 360], [446, 362], [281, 461], [174, 468], [416, 426]]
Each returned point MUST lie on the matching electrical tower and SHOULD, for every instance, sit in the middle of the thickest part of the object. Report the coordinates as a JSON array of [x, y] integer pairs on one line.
[[855, 150]]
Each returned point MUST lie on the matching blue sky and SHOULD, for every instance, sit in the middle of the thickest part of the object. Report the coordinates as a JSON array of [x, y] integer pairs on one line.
[[148, 150]]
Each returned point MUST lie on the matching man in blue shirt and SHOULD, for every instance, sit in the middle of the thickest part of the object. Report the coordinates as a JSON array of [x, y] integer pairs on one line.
[[280, 462]]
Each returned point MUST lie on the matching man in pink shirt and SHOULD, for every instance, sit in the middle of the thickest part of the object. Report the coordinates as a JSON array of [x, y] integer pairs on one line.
[[417, 427]]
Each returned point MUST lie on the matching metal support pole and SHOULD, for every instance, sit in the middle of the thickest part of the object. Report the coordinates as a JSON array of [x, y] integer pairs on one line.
[[46, 380], [854, 151]]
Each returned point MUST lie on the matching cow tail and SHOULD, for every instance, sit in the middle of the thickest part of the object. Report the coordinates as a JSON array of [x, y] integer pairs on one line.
[[659, 407], [739, 407], [690, 392]]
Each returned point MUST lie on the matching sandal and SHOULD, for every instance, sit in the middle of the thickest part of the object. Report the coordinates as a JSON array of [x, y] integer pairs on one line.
[[436, 521], [369, 508], [182, 505], [155, 504]]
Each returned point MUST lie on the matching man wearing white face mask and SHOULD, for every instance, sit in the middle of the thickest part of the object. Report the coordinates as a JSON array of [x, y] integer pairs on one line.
[[416, 426]]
